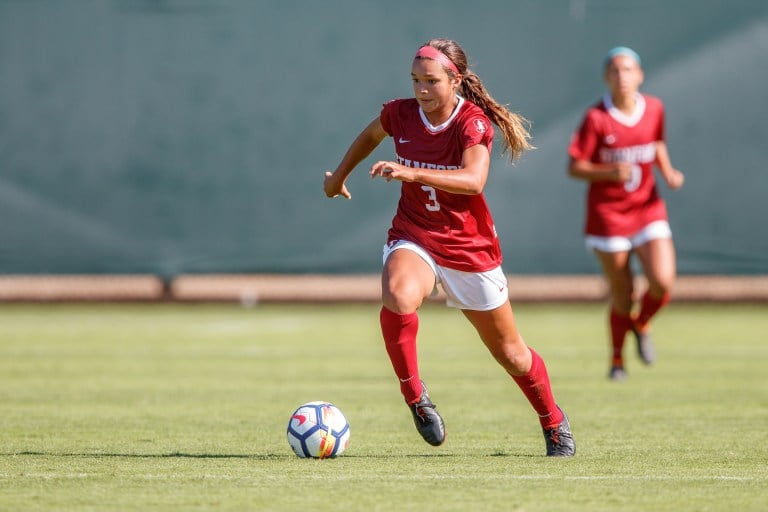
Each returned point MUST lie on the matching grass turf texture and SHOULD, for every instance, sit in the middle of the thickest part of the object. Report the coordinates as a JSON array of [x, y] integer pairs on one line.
[[184, 407]]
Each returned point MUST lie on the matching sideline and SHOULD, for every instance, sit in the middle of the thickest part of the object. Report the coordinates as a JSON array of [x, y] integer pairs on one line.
[[316, 288]]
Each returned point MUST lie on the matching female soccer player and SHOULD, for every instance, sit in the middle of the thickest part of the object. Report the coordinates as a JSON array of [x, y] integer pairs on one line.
[[443, 232], [620, 139]]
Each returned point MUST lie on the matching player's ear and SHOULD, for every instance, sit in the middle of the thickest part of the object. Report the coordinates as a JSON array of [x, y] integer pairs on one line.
[[456, 81]]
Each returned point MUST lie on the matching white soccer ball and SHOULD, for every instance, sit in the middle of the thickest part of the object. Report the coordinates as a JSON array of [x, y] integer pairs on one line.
[[318, 430]]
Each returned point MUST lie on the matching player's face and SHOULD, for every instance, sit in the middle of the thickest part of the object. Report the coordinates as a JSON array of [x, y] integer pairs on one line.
[[434, 89], [623, 76]]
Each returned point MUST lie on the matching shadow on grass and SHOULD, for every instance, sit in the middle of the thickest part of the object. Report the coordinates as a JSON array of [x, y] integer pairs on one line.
[[437, 455], [266, 456], [172, 455]]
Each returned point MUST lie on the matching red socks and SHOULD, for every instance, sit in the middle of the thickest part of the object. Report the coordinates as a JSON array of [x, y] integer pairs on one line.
[[649, 306], [537, 389], [400, 341], [620, 326]]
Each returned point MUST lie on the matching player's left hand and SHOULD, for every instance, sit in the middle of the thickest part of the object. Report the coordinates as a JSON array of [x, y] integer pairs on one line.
[[674, 179], [387, 170]]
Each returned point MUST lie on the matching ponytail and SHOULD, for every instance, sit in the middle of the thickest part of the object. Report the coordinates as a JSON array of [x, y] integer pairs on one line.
[[514, 127]]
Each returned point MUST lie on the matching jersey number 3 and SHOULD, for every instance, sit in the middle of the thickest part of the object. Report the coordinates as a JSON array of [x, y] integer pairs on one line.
[[433, 205]]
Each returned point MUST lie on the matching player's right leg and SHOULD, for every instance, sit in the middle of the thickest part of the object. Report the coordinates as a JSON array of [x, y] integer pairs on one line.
[[407, 279]]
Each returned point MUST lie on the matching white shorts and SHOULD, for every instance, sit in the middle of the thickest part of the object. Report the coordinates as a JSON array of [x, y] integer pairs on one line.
[[653, 231], [476, 291]]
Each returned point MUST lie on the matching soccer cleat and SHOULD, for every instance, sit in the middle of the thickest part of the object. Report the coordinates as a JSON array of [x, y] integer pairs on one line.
[[645, 348], [428, 422], [617, 373], [559, 440]]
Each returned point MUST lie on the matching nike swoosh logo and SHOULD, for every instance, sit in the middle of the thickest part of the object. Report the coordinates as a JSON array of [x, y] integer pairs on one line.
[[406, 380], [404, 141], [300, 417]]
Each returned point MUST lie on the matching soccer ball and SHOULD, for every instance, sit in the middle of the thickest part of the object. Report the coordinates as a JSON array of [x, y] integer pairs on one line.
[[318, 430]]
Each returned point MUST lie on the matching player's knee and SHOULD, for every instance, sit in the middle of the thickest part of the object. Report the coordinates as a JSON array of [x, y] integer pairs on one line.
[[661, 287], [621, 299], [401, 301], [660, 283], [513, 356]]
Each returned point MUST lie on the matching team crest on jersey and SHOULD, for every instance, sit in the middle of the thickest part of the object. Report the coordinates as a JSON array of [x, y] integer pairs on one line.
[[480, 125], [610, 139]]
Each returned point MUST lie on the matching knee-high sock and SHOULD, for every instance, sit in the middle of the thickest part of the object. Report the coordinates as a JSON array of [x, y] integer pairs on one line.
[[620, 325], [649, 306], [399, 333], [537, 389]]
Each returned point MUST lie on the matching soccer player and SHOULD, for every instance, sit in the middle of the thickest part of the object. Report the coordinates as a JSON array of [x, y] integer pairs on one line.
[[619, 141], [443, 233]]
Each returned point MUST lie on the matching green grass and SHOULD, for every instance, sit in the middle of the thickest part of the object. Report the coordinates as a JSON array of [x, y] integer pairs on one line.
[[184, 407]]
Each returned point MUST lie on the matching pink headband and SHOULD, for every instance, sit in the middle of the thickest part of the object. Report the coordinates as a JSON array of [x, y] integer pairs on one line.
[[433, 53]]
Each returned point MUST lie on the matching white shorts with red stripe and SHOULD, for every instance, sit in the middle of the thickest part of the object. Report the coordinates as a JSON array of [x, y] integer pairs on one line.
[[475, 291], [653, 231]]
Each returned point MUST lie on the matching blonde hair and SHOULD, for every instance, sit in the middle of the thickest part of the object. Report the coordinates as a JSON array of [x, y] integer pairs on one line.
[[514, 127]]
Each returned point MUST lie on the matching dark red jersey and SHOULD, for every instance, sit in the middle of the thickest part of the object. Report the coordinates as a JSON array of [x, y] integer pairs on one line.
[[456, 229], [607, 135]]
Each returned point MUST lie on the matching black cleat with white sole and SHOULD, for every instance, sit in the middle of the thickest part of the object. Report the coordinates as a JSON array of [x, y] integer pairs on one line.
[[559, 440], [428, 422]]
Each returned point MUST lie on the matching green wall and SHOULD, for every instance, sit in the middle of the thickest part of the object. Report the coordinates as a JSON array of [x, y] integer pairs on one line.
[[177, 136]]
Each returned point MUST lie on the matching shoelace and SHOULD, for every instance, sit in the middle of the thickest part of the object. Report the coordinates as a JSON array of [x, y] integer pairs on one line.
[[420, 408]]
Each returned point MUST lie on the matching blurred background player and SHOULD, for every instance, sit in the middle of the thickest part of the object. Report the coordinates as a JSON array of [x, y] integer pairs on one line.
[[619, 141], [443, 233]]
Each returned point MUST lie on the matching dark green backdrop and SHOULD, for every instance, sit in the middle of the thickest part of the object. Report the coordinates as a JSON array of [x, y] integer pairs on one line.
[[176, 136]]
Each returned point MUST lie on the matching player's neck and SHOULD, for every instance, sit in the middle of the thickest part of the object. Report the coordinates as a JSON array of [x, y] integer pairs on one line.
[[625, 103], [438, 118]]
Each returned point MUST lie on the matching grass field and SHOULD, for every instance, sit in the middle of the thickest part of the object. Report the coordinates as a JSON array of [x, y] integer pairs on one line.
[[184, 407]]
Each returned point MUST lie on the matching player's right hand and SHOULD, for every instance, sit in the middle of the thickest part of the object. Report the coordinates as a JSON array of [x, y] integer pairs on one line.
[[333, 187], [622, 172]]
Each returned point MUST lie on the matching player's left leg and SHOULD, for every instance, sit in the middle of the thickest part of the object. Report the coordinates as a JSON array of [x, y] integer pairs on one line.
[[657, 257], [659, 265], [499, 332]]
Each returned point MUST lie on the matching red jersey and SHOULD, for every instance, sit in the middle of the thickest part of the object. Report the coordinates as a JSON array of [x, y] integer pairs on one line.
[[455, 229], [607, 135]]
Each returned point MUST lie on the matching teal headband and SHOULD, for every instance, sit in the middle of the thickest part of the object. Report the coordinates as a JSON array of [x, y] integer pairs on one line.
[[621, 50]]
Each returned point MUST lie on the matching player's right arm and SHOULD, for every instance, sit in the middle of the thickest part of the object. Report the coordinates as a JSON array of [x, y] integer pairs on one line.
[[361, 147], [584, 145], [591, 171]]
